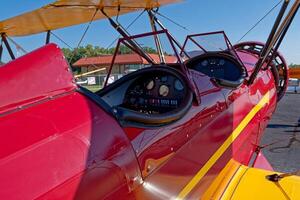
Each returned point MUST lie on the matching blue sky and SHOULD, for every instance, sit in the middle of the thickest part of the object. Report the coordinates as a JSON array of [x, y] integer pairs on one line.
[[235, 17]]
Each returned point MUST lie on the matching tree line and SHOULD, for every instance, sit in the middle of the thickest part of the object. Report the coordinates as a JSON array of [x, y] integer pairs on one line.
[[292, 65], [73, 55]]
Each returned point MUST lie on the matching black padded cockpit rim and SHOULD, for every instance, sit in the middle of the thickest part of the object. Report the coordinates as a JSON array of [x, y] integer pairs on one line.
[[217, 54], [221, 82], [136, 74], [155, 120]]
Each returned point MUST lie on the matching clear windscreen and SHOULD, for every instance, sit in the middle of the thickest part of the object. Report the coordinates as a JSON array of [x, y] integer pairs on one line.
[[137, 52], [198, 44]]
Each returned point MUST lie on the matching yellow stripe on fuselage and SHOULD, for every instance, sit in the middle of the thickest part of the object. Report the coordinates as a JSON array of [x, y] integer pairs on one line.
[[201, 173]]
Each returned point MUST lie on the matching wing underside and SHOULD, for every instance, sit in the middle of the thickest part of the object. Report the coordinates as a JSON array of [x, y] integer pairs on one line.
[[64, 13]]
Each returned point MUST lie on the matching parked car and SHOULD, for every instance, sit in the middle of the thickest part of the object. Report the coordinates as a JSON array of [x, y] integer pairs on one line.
[[294, 85]]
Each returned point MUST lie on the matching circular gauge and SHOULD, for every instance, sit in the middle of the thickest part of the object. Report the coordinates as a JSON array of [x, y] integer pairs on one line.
[[222, 62], [204, 63], [150, 85], [164, 90], [164, 79], [178, 85], [213, 61]]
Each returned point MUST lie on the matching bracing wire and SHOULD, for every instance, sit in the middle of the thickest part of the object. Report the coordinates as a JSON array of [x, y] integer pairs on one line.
[[1, 50], [119, 10], [81, 39], [61, 40], [134, 20], [260, 20], [84, 33], [172, 21], [87, 28], [18, 47], [65, 43]]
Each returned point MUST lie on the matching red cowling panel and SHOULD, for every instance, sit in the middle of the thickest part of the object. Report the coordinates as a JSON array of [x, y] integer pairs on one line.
[[64, 148], [63, 145], [34, 77]]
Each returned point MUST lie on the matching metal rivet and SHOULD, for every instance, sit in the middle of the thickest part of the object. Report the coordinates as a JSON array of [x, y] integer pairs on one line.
[[148, 168]]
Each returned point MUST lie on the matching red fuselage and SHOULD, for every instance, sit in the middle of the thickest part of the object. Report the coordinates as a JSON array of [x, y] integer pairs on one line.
[[58, 143]]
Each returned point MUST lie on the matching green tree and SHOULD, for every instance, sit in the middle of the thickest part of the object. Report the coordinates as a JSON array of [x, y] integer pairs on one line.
[[149, 50], [73, 55], [292, 65]]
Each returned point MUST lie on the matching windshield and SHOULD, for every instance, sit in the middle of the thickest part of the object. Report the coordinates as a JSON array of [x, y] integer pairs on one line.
[[198, 44], [140, 51]]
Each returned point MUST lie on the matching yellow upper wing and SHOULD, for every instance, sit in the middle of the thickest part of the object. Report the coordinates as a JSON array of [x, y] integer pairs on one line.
[[64, 13]]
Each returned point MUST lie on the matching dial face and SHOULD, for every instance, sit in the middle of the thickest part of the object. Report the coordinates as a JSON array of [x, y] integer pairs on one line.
[[150, 85], [164, 79], [213, 61], [178, 85], [204, 63], [221, 62], [164, 90]]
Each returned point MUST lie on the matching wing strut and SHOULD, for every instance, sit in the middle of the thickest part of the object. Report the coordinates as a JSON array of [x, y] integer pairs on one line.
[[48, 36], [283, 35], [276, 36], [1, 50], [125, 34], [164, 28], [156, 38], [3, 36]]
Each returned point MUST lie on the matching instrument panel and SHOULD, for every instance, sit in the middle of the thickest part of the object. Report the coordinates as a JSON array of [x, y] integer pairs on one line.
[[156, 93], [219, 67]]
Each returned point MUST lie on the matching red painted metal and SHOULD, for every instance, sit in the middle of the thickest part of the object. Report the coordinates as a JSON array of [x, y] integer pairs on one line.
[[279, 63], [28, 80], [62, 145], [198, 135]]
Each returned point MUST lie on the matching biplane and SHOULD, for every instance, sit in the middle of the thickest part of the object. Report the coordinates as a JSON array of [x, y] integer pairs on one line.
[[189, 129]]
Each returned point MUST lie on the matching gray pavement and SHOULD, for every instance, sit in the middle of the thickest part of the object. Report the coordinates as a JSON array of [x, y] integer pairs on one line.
[[284, 130]]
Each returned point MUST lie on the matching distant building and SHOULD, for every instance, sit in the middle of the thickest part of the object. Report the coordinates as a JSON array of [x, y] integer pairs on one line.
[[124, 64], [294, 73]]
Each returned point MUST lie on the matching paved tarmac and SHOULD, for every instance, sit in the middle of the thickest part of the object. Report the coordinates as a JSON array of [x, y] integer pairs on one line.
[[284, 129]]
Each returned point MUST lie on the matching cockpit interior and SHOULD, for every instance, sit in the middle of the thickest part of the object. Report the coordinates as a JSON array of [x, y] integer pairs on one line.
[[153, 95]]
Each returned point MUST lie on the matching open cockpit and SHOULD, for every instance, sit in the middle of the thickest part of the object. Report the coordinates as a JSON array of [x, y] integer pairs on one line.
[[161, 93]]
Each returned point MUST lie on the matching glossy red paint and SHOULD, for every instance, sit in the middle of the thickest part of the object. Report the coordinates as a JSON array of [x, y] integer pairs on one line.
[[172, 155], [63, 145], [33, 78], [279, 66], [60, 147]]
